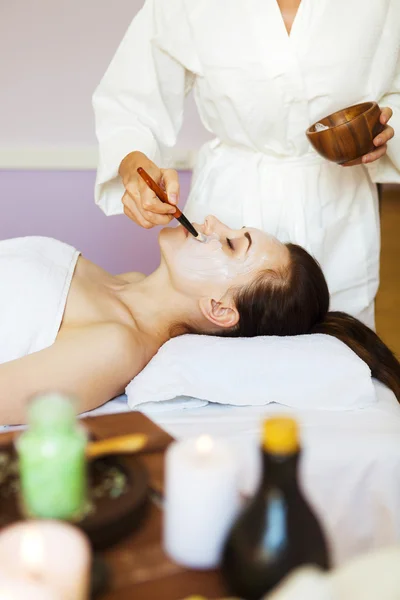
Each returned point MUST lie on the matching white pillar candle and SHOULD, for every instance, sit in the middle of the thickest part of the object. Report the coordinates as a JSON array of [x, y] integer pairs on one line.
[[23, 589], [49, 553], [201, 500]]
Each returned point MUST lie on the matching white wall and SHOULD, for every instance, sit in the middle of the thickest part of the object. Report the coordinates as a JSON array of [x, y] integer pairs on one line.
[[52, 55]]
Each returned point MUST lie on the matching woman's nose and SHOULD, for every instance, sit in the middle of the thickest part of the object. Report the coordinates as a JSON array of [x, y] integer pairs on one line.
[[213, 225], [209, 223]]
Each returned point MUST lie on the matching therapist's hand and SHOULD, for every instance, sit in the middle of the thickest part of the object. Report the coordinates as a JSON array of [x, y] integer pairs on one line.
[[380, 142], [140, 203]]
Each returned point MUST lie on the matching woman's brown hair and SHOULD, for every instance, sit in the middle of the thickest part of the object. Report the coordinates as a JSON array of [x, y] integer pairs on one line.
[[295, 301]]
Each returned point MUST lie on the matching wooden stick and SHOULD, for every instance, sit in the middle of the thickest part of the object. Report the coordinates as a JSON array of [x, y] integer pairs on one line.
[[122, 444]]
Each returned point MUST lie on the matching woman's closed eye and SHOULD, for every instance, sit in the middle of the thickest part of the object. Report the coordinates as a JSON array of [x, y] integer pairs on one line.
[[236, 245]]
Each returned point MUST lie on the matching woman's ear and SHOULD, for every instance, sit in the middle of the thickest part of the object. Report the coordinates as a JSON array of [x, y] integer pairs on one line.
[[222, 313]]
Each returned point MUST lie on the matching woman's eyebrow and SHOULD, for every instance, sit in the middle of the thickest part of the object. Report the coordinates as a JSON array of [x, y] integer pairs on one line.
[[248, 236]]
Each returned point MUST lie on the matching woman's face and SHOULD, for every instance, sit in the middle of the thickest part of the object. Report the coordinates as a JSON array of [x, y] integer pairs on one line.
[[229, 257]]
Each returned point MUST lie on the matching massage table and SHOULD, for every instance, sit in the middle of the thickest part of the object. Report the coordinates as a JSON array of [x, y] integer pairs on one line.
[[350, 469]]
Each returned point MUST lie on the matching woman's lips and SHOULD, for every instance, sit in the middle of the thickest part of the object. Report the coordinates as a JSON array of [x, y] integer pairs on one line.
[[197, 227]]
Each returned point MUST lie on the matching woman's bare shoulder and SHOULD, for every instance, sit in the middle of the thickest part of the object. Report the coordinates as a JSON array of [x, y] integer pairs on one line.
[[121, 348]]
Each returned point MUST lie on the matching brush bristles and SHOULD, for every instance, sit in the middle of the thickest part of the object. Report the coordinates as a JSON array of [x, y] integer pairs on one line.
[[201, 238]]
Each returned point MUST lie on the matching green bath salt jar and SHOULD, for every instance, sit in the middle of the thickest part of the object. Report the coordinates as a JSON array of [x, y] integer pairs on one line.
[[52, 464]]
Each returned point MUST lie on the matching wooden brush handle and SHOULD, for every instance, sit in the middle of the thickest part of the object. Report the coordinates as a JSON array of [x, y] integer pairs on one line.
[[159, 192], [122, 444]]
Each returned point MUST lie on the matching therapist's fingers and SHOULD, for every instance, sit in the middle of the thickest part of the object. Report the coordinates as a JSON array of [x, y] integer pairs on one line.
[[171, 183], [140, 202], [148, 212], [384, 136], [380, 142], [156, 219], [132, 211], [372, 156], [367, 158], [150, 203], [386, 114], [145, 199]]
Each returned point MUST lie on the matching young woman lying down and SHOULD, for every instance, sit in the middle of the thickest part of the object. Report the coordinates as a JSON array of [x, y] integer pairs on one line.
[[67, 325]]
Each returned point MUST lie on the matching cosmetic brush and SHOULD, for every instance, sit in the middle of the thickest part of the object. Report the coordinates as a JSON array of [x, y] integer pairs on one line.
[[178, 214]]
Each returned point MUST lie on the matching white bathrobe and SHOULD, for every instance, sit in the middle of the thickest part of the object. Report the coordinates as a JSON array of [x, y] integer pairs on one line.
[[258, 89]]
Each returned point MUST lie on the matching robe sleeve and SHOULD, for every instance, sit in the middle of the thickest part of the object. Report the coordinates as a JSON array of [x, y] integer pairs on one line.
[[387, 168], [138, 104]]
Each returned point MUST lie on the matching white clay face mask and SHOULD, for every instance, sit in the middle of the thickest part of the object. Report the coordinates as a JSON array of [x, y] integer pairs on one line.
[[320, 127], [208, 261]]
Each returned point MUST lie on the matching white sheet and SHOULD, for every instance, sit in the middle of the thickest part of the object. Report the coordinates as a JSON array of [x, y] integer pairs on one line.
[[350, 469]]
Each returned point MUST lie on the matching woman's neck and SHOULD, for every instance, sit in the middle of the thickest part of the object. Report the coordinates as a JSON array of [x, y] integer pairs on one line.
[[155, 306]]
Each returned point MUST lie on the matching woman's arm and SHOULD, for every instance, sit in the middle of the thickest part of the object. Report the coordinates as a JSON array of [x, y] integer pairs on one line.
[[94, 363], [139, 103]]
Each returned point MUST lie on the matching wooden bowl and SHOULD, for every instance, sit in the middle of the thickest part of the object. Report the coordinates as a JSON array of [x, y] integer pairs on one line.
[[350, 133], [111, 516]]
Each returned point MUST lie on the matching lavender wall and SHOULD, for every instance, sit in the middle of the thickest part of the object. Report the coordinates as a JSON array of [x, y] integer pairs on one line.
[[53, 55], [60, 204]]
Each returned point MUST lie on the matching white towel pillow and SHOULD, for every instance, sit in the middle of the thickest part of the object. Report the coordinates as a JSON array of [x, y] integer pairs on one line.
[[309, 371]]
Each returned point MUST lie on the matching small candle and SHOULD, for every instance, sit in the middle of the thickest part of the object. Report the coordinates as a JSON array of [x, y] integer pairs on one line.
[[52, 460], [23, 589], [201, 500], [48, 554]]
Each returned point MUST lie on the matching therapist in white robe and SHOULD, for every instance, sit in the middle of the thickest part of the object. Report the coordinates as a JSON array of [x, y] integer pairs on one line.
[[262, 71]]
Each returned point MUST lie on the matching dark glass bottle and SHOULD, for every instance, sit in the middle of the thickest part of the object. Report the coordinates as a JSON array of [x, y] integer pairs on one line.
[[277, 530]]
